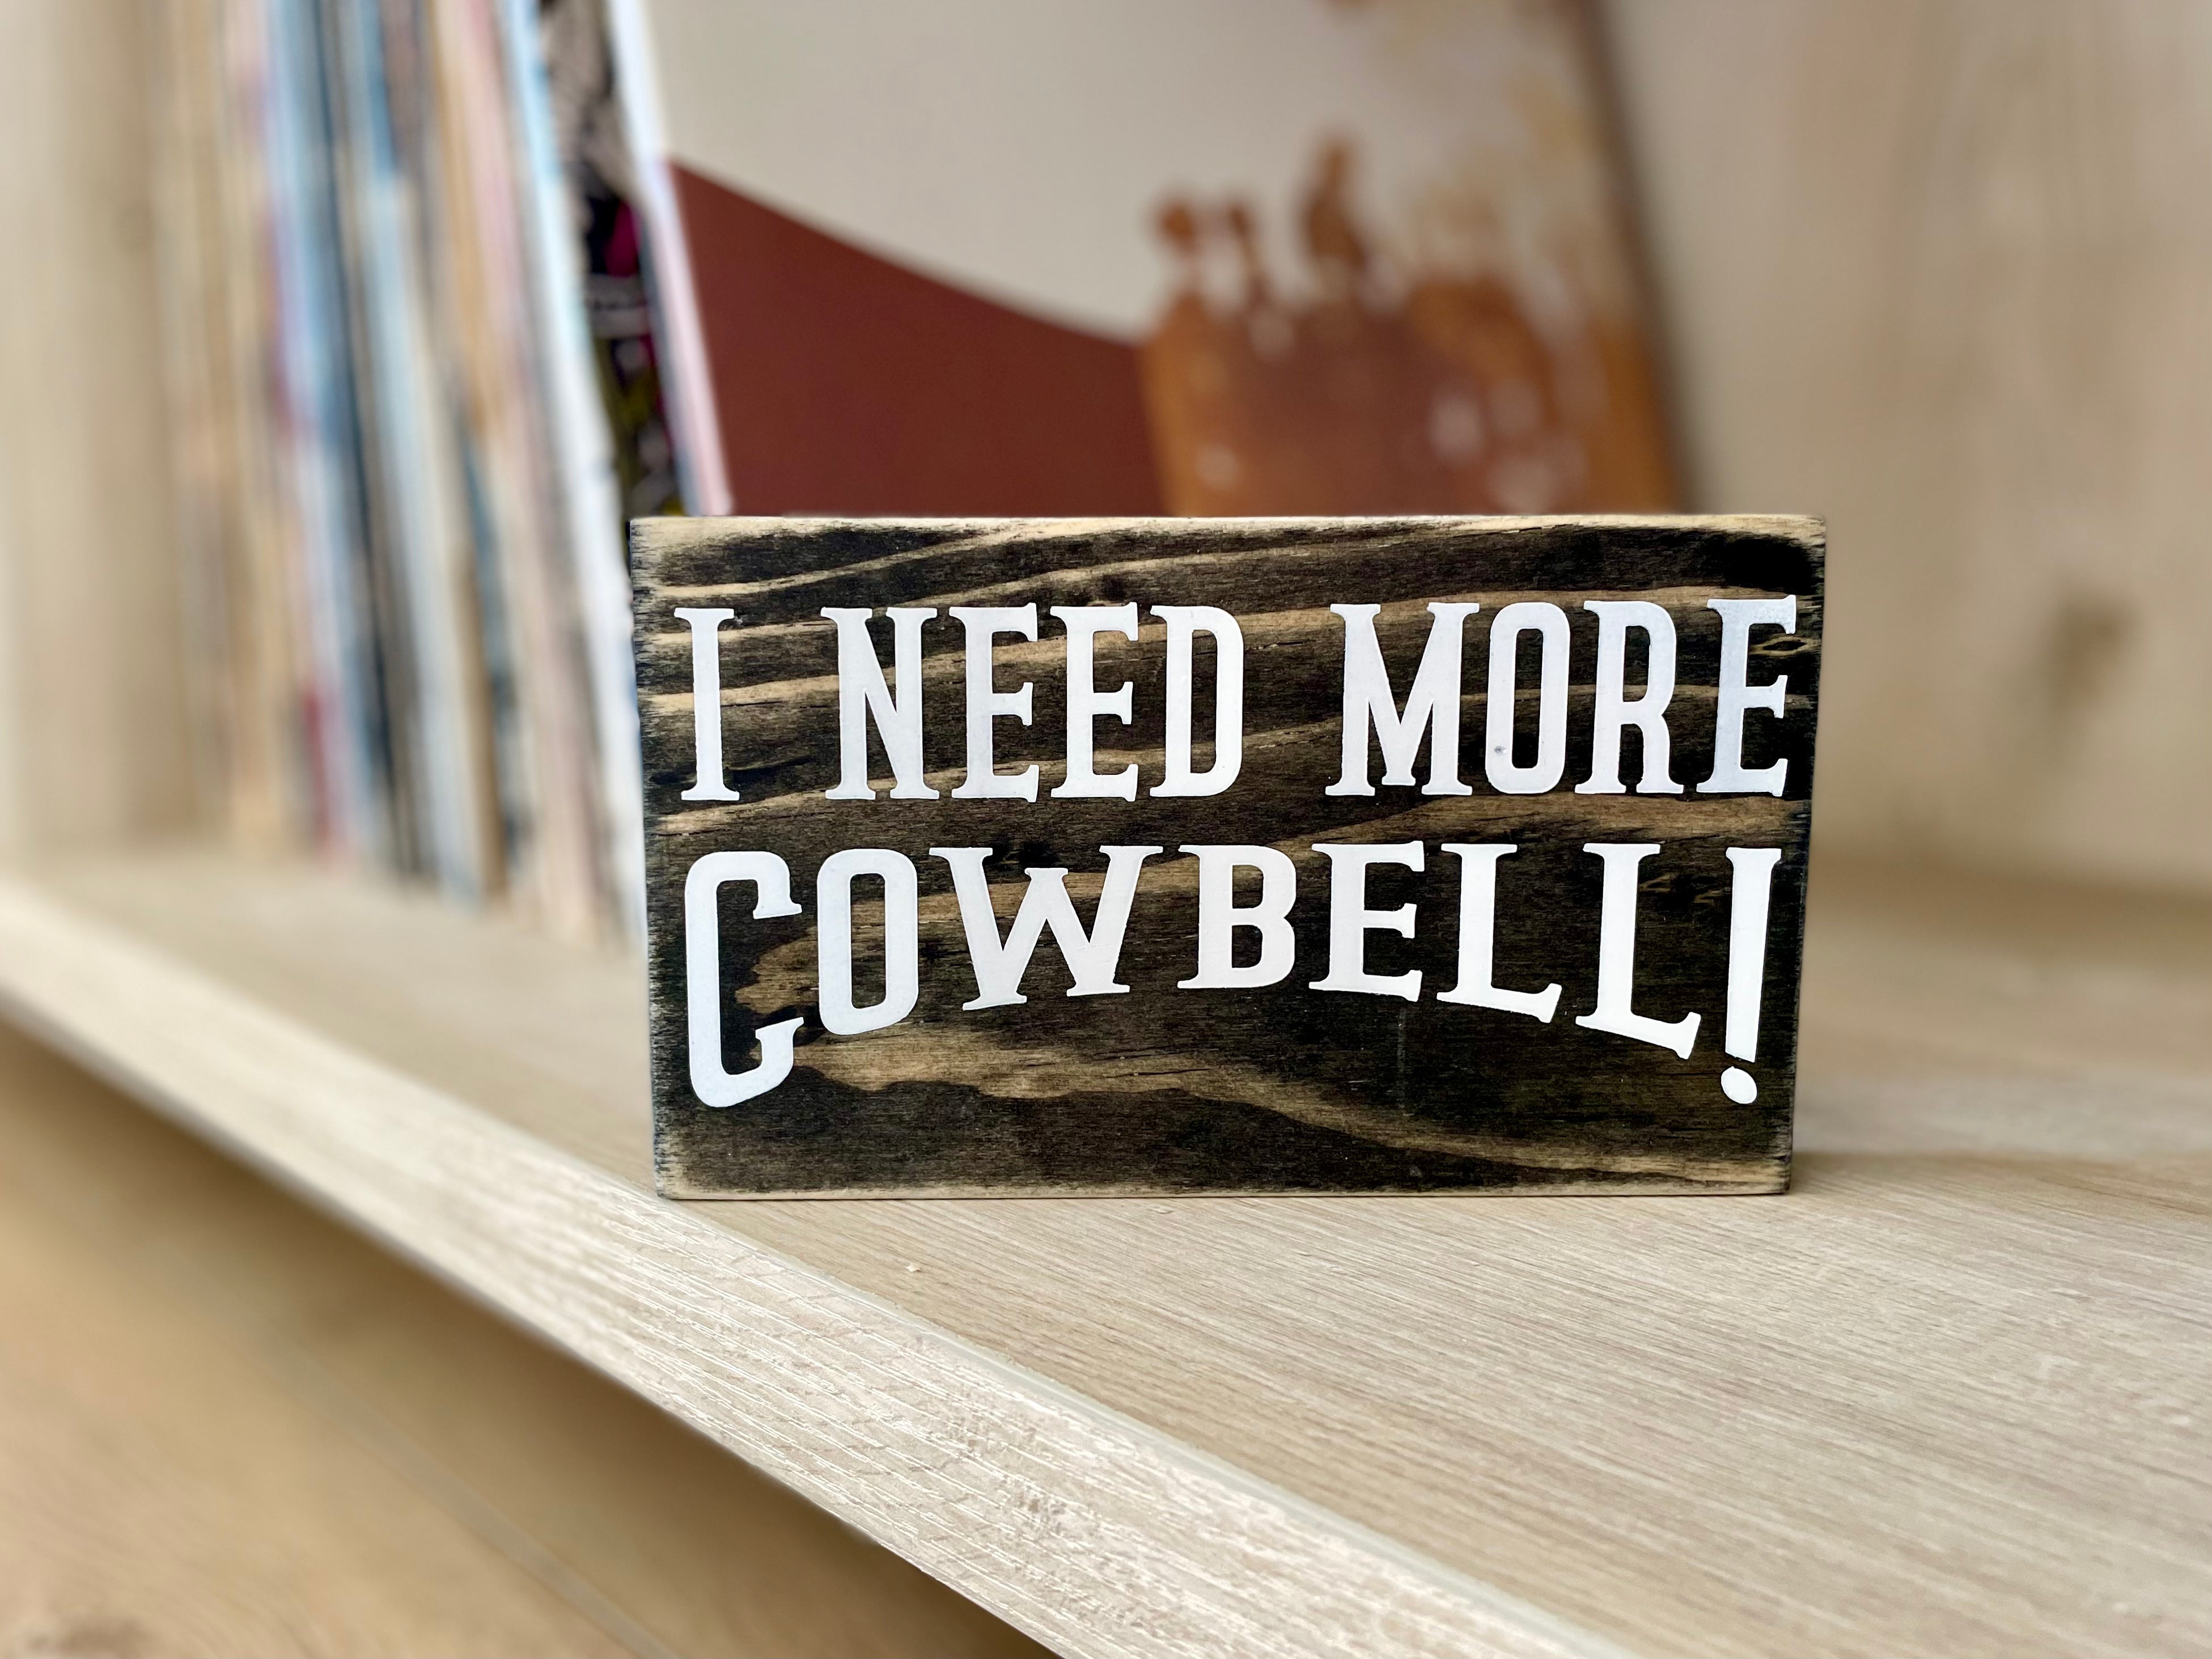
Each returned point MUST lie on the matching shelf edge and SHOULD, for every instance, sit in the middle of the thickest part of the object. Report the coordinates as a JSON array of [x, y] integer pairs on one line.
[[1096, 1534]]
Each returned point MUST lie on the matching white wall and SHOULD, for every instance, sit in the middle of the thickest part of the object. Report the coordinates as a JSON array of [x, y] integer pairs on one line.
[[1942, 271]]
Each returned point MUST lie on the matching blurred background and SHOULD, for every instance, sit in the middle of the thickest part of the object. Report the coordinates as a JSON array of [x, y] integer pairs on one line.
[[339, 337]]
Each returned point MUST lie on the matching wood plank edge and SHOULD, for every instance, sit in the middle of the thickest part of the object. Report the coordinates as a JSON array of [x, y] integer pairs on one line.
[[1093, 1532], [1759, 1185], [660, 533]]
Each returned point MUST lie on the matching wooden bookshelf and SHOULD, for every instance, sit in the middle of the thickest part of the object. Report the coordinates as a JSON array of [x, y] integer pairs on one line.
[[1946, 1396]]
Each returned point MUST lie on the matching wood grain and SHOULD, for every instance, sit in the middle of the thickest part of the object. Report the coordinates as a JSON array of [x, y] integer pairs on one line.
[[1278, 1089], [1948, 1397], [163, 1494], [798, 1373], [232, 1426]]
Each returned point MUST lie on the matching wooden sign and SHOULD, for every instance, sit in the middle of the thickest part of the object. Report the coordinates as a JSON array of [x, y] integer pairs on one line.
[[1225, 855]]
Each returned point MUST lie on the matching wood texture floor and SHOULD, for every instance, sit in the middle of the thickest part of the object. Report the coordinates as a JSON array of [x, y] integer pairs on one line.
[[1948, 1397], [229, 1425]]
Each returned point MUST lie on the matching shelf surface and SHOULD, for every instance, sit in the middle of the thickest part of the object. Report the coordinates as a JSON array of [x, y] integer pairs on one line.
[[1950, 1394], [232, 1425]]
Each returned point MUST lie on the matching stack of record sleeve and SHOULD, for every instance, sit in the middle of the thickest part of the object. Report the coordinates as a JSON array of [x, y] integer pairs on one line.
[[414, 363]]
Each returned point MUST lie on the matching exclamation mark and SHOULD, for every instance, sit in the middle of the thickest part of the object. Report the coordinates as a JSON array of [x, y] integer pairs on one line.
[[1747, 980]]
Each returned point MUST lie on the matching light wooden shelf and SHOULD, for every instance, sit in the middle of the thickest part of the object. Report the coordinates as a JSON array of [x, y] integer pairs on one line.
[[1949, 1395]]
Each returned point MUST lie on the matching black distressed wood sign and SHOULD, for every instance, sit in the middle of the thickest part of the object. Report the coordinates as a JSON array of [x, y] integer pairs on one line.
[[1121, 856]]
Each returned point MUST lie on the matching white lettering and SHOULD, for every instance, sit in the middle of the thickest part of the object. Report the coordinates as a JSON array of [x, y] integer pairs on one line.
[[711, 1080], [1614, 711], [861, 692], [1087, 704], [833, 914], [1350, 921], [1737, 697], [1432, 704], [1616, 956], [986, 704], [1750, 891], [1478, 930], [1548, 621], [707, 703], [1184, 621], [1091, 958]]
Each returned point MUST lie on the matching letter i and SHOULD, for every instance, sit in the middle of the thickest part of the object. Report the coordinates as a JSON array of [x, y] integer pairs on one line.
[[705, 623]]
